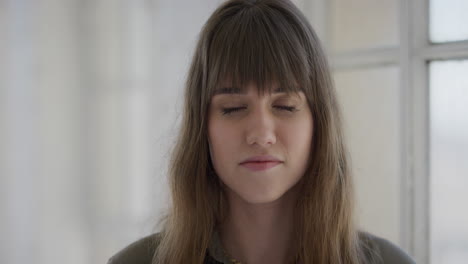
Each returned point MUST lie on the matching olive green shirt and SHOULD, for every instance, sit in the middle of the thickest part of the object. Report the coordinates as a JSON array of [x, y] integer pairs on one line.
[[142, 251]]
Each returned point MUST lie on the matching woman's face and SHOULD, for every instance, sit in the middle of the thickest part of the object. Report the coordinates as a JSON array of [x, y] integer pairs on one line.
[[259, 144]]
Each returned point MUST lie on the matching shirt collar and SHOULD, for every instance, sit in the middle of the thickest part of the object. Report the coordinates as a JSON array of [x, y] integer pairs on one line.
[[216, 250]]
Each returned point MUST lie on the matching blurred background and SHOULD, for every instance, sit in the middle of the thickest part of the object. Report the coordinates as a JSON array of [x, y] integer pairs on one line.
[[90, 99]]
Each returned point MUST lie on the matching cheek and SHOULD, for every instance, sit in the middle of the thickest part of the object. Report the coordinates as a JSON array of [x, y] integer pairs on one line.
[[223, 140], [298, 138]]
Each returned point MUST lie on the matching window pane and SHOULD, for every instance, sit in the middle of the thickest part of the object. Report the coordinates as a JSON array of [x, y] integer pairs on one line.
[[449, 161], [370, 100], [448, 20], [364, 24]]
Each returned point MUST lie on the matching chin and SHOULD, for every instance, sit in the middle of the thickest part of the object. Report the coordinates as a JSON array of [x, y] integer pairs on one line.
[[260, 197]]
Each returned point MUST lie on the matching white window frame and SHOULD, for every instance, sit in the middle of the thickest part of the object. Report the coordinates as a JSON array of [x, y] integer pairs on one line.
[[412, 56]]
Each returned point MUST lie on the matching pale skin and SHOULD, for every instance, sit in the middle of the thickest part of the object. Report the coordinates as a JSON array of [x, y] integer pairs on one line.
[[260, 218]]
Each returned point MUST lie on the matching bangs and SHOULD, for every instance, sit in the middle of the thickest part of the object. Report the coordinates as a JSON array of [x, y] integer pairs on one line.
[[258, 45]]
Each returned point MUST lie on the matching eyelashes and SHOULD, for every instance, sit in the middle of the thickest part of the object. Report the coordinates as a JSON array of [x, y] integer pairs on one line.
[[227, 111], [286, 108], [231, 110]]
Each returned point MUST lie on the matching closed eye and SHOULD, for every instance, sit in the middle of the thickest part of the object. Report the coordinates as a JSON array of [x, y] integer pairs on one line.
[[286, 108], [227, 111]]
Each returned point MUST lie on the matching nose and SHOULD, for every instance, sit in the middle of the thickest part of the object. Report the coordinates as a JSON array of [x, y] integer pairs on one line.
[[261, 128]]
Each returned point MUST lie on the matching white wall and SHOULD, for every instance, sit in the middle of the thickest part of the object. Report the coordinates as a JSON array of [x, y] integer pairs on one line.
[[90, 92], [89, 97]]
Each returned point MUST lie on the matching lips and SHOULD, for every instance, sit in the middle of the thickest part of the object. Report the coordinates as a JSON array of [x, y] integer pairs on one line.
[[260, 163]]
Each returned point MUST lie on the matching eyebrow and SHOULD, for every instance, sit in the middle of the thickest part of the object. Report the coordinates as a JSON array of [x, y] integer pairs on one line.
[[236, 90]]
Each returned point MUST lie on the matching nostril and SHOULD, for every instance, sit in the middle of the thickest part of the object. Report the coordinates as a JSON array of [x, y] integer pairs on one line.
[[263, 140]]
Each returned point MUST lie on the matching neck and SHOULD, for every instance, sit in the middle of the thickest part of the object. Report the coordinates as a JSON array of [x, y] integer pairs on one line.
[[259, 233]]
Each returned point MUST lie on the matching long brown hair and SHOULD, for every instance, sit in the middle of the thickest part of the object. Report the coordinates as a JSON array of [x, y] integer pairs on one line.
[[261, 41]]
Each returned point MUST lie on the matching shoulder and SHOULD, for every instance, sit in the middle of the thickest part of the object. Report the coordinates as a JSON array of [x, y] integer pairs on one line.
[[138, 252], [389, 253]]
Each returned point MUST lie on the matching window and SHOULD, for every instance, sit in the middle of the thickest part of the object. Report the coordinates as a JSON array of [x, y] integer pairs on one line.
[[401, 70], [448, 85], [448, 20]]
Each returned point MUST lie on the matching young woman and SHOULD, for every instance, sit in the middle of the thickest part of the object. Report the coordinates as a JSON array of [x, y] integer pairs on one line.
[[260, 173]]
